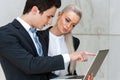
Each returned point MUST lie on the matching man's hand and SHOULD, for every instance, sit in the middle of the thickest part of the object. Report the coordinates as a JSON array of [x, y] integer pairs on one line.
[[80, 56]]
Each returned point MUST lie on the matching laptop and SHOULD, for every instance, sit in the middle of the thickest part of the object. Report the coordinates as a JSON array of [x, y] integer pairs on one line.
[[94, 67]]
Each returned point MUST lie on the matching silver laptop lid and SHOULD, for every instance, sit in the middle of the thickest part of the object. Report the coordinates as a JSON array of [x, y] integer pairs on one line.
[[97, 62]]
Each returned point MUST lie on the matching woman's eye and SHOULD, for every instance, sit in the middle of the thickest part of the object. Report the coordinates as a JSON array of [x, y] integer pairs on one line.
[[73, 25], [67, 20]]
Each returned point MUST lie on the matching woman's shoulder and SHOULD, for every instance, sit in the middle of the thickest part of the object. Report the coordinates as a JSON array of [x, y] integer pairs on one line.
[[76, 42]]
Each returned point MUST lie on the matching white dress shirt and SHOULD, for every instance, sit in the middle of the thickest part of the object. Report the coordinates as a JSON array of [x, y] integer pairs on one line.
[[58, 46]]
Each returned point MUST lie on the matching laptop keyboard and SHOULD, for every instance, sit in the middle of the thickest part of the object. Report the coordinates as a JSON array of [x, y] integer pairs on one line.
[[76, 77]]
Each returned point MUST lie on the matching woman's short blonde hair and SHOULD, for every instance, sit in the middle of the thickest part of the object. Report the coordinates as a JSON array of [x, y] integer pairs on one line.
[[68, 37], [73, 8]]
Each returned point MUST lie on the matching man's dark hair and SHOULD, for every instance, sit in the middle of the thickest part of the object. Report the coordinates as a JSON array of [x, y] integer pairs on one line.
[[42, 5]]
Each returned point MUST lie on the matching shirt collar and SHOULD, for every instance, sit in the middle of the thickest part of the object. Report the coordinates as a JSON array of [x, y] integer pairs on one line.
[[25, 25], [57, 37]]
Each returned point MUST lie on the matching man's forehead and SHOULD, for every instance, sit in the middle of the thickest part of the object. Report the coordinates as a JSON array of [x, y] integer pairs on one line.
[[51, 11]]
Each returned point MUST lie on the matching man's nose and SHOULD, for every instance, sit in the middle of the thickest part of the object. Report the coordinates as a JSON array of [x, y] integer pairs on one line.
[[50, 21]]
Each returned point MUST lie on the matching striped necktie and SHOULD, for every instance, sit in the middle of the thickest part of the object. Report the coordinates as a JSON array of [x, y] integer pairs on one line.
[[38, 44]]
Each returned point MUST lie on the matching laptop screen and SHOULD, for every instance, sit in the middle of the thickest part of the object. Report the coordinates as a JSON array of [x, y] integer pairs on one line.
[[97, 62]]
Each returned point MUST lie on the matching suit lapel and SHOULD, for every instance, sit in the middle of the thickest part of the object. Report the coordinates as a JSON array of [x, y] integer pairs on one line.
[[25, 36]]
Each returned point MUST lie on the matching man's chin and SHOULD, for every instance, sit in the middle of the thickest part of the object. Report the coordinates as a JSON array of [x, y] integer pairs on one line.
[[41, 27]]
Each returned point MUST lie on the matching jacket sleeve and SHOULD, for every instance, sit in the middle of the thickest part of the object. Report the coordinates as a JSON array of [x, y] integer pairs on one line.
[[24, 60]]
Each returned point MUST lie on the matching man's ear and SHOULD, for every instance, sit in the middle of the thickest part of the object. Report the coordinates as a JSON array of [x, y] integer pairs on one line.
[[35, 10]]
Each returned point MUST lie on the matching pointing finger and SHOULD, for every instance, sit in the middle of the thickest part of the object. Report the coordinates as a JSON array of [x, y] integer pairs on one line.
[[90, 54]]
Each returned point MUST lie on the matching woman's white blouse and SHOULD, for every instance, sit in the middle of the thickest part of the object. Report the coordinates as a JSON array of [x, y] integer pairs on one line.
[[58, 46]]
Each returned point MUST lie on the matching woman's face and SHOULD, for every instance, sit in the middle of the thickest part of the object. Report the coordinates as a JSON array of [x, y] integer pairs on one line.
[[67, 21]]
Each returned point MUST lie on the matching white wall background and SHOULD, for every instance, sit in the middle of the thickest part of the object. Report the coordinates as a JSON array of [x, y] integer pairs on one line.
[[10, 9], [114, 40], [98, 29]]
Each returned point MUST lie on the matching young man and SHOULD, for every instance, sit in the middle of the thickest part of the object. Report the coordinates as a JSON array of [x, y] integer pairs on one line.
[[18, 50], [22, 57]]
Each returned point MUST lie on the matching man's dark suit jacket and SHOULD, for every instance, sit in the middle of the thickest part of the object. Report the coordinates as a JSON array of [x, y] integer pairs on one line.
[[19, 58], [44, 35]]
